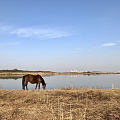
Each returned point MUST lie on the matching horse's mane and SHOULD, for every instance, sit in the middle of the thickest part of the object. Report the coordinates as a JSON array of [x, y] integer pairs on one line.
[[43, 82]]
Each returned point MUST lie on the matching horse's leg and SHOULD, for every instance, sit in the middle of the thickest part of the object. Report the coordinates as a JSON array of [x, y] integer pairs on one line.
[[36, 85], [39, 85], [26, 85]]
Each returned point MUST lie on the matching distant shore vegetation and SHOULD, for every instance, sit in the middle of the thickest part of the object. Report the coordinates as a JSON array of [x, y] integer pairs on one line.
[[17, 70]]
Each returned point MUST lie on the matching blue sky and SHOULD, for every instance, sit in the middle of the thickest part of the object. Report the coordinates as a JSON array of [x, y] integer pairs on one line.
[[60, 35]]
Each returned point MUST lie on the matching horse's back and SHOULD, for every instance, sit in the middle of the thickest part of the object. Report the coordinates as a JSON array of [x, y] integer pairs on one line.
[[28, 76], [32, 78]]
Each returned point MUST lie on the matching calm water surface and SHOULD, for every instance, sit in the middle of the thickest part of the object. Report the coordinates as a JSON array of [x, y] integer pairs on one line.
[[65, 81]]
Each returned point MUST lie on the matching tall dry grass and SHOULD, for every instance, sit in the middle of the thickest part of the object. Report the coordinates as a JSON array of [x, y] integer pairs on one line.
[[60, 104]]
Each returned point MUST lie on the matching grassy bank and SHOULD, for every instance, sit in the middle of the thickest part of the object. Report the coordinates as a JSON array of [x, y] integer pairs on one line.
[[5, 75], [61, 104]]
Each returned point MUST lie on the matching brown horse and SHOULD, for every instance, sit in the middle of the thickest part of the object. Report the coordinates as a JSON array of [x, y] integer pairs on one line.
[[33, 79]]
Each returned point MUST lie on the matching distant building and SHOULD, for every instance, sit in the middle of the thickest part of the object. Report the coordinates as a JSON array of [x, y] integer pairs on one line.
[[74, 70]]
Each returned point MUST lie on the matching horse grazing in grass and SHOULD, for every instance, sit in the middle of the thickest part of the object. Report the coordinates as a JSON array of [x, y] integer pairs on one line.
[[33, 79]]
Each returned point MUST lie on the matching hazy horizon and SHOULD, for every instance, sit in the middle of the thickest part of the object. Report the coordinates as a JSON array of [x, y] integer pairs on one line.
[[63, 35]]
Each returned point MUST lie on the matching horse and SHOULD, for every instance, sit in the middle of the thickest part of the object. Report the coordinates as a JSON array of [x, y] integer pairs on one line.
[[33, 79]]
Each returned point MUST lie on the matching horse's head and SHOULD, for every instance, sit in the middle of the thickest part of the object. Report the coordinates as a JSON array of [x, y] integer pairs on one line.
[[44, 86]]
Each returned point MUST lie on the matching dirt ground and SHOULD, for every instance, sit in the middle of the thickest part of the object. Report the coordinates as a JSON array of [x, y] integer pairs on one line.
[[60, 104]]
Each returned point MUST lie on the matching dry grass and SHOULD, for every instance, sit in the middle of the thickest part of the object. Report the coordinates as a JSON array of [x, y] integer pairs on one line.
[[61, 104]]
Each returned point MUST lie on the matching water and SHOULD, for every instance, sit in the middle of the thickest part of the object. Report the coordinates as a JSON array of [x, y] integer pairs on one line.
[[66, 81]]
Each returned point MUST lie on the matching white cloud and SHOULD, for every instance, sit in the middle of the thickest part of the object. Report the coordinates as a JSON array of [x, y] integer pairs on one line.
[[43, 33], [108, 44]]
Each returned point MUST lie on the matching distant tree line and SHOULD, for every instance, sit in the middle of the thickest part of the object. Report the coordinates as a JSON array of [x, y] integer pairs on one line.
[[16, 70]]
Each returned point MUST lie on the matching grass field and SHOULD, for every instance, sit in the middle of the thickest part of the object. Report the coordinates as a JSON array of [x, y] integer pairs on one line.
[[60, 104]]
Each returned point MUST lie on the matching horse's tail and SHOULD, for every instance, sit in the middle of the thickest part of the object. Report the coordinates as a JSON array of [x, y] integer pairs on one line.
[[23, 83]]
